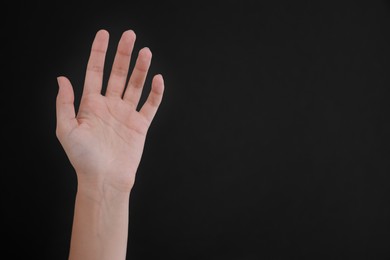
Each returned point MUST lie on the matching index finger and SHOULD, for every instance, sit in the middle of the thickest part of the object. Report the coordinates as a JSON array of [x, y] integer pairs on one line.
[[94, 75]]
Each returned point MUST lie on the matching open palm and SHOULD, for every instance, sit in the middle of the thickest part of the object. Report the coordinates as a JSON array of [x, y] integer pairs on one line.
[[104, 140]]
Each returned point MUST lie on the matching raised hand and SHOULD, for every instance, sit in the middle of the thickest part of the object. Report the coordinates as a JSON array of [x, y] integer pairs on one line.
[[104, 140]]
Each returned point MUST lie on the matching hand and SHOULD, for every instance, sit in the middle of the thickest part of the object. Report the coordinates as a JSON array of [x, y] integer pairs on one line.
[[104, 141]]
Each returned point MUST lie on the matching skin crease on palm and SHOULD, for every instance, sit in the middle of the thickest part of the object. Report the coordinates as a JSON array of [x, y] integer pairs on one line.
[[104, 141]]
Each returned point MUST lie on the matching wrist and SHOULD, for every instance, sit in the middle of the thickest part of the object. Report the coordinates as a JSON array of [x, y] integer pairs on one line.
[[100, 221], [100, 191]]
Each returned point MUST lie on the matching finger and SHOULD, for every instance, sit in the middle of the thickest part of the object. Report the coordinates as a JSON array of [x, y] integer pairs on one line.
[[95, 66], [65, 112], [133, 91], [120, 67], [149, 109]]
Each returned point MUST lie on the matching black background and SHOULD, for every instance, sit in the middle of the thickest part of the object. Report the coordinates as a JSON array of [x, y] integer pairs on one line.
[[272, 141]]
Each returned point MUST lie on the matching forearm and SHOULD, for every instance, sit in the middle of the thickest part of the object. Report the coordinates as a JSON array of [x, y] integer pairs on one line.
[[100, 224]]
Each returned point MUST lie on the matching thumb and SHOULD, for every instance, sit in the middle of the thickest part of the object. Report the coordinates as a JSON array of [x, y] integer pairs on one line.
[[65, 110]]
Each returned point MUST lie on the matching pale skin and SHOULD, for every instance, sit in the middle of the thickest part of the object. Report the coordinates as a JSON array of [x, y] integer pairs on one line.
[[104, 142]]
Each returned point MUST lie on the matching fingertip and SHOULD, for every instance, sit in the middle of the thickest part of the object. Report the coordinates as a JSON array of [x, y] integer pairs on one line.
[[128, 37], [60, 80], [102, 34], [146, 52], [64, 86], [158, 84], [160, 77], [130, 33]]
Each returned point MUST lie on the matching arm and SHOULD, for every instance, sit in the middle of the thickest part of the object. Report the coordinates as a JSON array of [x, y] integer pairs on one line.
[[104, 141]]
